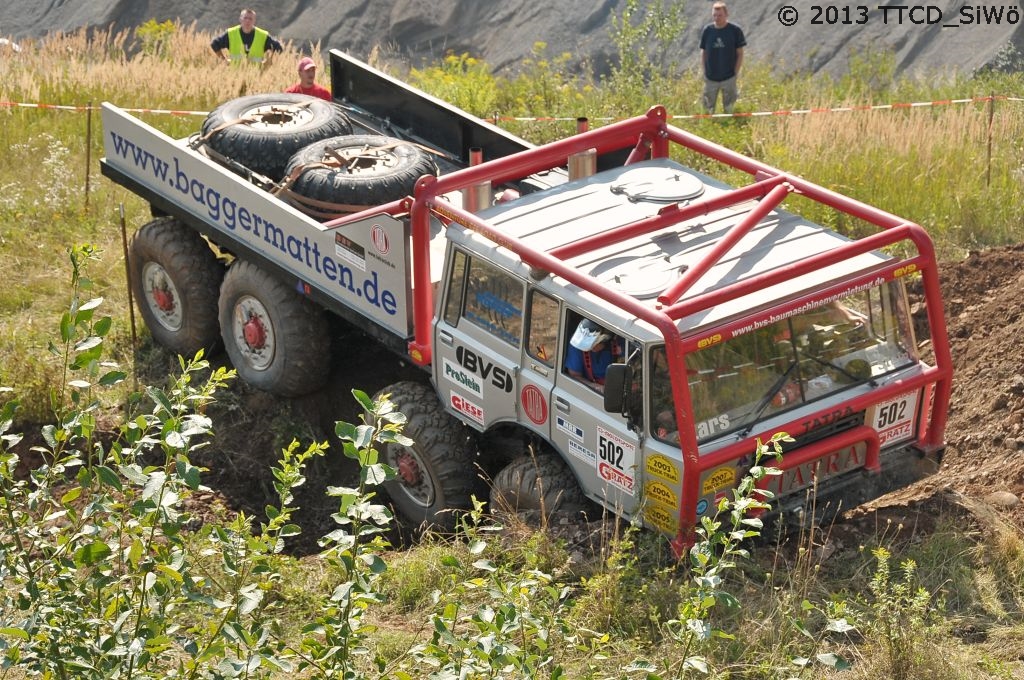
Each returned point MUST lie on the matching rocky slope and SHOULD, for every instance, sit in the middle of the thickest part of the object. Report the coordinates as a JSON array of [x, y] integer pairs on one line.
[[504, 33]]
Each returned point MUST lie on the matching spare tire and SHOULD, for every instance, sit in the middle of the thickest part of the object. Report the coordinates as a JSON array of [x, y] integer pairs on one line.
[[357, 171], [263, 131]]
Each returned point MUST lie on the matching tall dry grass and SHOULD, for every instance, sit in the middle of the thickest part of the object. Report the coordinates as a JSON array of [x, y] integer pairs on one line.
[[954, 169]]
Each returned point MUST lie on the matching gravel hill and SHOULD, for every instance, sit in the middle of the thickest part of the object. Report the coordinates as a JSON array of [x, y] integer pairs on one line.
[[504, 33]]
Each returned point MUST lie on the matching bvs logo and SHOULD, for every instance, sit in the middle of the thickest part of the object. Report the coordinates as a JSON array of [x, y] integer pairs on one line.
[[470, 361]]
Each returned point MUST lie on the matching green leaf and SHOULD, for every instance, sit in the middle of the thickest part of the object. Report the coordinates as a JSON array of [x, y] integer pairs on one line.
[[102, 327], [91, 554], [71, 495], [108, 477], [67, 327], [834, 661], [364, 436], [111, 378], [375, 474], [363, 399], [90, 304], [839, 626], [80, 384], [19, 633], [189, 473], [289, 530]]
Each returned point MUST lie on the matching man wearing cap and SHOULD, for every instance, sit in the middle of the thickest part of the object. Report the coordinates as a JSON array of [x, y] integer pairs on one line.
[[591, 351], [307, 81], [245, 42]]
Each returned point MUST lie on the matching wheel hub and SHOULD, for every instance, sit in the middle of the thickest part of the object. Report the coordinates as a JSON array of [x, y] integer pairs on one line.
[[163, 299], [254, 333], [409, 470]]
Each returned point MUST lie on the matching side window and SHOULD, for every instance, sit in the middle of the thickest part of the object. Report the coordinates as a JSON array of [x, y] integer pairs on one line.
[[456, 288], [543, 343], [494, 301]]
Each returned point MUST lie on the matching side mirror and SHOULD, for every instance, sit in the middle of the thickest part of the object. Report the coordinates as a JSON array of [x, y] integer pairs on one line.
[[617, 380]]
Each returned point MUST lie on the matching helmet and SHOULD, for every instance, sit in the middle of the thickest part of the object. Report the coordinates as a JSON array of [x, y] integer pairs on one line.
[[587, 335]]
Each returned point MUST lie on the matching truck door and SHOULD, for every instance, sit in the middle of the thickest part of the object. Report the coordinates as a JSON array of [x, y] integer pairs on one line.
[[478, 341], [603, 451]]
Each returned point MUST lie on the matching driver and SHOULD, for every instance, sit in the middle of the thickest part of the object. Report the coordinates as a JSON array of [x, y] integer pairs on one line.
[[591, 351]]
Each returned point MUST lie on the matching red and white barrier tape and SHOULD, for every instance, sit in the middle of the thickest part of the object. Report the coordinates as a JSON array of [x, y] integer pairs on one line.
[[555, 119], [62, 107]]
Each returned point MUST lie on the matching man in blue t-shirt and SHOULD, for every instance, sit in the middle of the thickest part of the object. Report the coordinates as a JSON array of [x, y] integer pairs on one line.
[[591, 350], [721, 55]]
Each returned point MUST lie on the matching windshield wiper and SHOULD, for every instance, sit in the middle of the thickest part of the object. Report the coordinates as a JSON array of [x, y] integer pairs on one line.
[[776, 387], [829, 364]]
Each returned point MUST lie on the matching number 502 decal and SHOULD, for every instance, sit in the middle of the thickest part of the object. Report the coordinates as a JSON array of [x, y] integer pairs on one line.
[[895, 420]]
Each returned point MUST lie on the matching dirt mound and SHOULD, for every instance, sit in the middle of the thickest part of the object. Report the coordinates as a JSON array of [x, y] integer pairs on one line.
[[984, 300]]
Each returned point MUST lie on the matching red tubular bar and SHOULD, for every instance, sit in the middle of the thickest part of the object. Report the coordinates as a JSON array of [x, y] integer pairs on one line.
[[862, 434], [731, 238], [670, 214]]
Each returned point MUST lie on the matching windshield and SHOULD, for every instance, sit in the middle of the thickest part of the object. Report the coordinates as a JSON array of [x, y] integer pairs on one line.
[[787, 363]]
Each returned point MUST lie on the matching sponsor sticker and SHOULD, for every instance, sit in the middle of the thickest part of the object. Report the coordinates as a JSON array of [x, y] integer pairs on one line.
[[468, 408], [582, 452], [380, 239], [574, 431], [702, 506], [661, 518], [660, 466], [460, 377], [659, 492], [534, 404], [615, 477], [350, 251], [618, 459], [894, 419], [719, 479]]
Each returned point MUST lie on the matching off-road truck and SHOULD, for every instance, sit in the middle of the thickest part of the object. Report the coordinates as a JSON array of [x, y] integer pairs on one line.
[[478, 256]]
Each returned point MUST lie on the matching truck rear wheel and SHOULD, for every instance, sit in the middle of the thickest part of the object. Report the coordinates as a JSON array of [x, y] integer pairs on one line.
[[358, 170], [262, 131], [543, 484], [436, 476], [175, 278], [277, 340]]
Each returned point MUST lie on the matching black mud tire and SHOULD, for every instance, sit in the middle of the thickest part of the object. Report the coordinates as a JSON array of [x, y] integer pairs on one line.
[[436, 475], [378, 170], [277, 340], [539, 485], [281, 125], [175, 279]]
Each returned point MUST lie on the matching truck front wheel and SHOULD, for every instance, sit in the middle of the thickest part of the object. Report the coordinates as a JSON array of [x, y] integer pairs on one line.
[[541, 484], [175, 278], [436, 475], [277, 340]]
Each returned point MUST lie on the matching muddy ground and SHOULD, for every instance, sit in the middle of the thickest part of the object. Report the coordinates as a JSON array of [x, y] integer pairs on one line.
[[984, 299]]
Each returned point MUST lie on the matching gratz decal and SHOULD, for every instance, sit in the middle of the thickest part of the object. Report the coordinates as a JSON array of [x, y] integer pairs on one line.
[[617, 459], [894, 419]]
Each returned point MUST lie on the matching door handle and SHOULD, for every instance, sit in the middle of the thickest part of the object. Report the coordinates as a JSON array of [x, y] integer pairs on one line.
[[445, 338], [562, 404]]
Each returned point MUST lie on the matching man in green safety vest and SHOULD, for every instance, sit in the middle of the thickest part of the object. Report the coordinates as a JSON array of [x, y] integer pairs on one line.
[[245, 42]]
